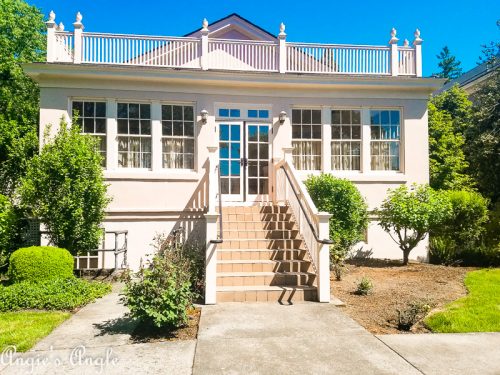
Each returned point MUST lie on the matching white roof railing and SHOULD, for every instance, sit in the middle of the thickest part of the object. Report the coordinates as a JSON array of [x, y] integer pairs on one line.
[[206, 53]]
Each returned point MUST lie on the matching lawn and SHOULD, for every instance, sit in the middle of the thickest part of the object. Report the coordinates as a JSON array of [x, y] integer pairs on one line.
[[479, 311], [25, 328]]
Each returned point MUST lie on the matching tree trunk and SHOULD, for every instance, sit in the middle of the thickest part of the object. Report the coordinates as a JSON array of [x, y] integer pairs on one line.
[[406, 254]]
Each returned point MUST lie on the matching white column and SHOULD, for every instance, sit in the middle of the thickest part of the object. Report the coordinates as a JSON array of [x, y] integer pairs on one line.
[[417, 43], [326, 140], [212, 179], [394, 53], [211, 259], [111, 135], [365, 140], [204, 45], [282, 49], [156, 147], [51, 37], [323, 258], [78, 36]]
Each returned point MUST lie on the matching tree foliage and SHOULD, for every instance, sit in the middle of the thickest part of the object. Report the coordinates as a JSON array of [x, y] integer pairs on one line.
[[409, 214], [64, 188], [22, 40], [448, 64], [483, 139]]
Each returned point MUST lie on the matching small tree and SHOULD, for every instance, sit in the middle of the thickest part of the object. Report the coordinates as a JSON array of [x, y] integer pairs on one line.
[[343, 200], [408, 215], [64, 188], [449, 65]]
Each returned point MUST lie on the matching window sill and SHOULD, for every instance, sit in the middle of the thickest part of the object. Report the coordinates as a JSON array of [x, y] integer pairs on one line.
[[144, 174], [357, 176]]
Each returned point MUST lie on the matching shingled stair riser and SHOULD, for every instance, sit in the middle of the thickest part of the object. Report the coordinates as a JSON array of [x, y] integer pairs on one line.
[[263, 257]]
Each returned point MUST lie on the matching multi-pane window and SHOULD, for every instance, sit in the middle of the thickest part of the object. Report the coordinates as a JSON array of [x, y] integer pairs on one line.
[[346, 139], [306, 138], [134, 135], [385, 128], [91, 117], [177, 136]]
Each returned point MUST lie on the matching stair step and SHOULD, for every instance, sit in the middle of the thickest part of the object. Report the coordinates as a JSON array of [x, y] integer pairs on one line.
[[261, 234], [282, 294], [245, 217], [265, 278], [255, 209], [258, 225], [263, 265], [261, 254], [249, 243]]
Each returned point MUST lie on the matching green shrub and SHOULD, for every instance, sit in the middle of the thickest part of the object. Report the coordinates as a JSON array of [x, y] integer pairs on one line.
[[365, 287], [38, 263], [8, 220], [411, 314], [53, 294], [162, 293], [64, 188]]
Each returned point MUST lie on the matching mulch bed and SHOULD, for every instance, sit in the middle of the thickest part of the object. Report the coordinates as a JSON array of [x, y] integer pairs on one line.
[[395, 287], [143, 333]]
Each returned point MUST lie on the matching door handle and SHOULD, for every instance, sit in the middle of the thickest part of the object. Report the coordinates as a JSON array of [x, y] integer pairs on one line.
[[244, 162]]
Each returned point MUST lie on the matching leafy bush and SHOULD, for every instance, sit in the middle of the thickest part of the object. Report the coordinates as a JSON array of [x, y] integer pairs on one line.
[[38, 263], [411, 314], [53, 294], [365, 287], [408, 215], [459, 238], [343, 200], [8, 220], [64, 188], [162, 294]]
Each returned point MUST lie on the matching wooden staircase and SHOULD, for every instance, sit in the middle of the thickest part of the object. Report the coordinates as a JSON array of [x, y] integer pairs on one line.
[[263, 257]]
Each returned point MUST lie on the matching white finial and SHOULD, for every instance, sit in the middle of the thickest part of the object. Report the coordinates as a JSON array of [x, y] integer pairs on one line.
[[204, 24], [393, 40], [282, 28], [406, 43], [79, 17], [52, 16], [60, 27], [417, 39]]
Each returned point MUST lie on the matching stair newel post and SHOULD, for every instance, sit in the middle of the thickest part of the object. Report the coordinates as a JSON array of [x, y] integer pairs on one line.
[[211, 230], [288, 158], [323, 257]]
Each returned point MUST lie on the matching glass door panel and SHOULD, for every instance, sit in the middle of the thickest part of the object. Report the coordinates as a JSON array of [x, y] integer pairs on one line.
[[230, 155], [258, 160]]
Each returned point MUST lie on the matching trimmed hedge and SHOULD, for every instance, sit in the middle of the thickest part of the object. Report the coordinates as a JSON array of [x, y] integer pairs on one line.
[[53, 294], [39, 263]]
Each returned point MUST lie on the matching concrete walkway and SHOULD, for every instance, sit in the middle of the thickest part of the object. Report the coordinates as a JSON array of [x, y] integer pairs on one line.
[[239, 338]]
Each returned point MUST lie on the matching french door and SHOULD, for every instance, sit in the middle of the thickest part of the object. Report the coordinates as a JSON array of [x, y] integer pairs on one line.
[[244, 161]]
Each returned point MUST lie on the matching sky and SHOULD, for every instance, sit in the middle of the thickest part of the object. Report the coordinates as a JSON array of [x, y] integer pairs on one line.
[[462, 25]]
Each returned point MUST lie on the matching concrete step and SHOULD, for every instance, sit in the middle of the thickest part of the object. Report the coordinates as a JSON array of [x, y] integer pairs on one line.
[[281, 294], [258, 225], [255, 209], [250, 243], [262, 254], [263, 266], [265, 278], [256, 216], [261, 234]]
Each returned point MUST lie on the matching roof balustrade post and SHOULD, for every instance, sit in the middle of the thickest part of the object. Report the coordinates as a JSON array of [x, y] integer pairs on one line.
[[51, 37], [78, 36], [204, 45], [282, 49], [394, 53], [417, 43]]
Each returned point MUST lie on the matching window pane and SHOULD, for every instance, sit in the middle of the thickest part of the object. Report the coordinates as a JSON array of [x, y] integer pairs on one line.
[[122, 127], [346, 117], [122, 110], [133, 110], [224, 133], [253, 186], [78, 108], [263, 113], [177, 113], [316, 131], [88, 125], [356, 132], [235, 113], [188, 113], [235, 168], [335, 117], [306, 116], [178, 128], [189, 129], [335, 132], [235, 186], [375, 117], [384, 117], [224, 150], [133, 126], [223, 112], [346, 132], [166, 112], [263, 133], [252, 113], [253, 133], [395, 118], [235, 150], [306, 131], [356, 117], [88, 109], [146, 127], [296, 131], [145, 111], [235, 132], [100, 125], [296, 116], [252, 151], [263, 151], [166, 127]]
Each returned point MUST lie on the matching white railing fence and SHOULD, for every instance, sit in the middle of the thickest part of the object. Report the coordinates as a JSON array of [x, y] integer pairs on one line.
[[230, 54], [312, 224]]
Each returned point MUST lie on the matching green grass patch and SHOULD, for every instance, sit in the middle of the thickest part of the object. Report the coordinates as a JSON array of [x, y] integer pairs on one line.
[[479, 311], [24, 328]]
